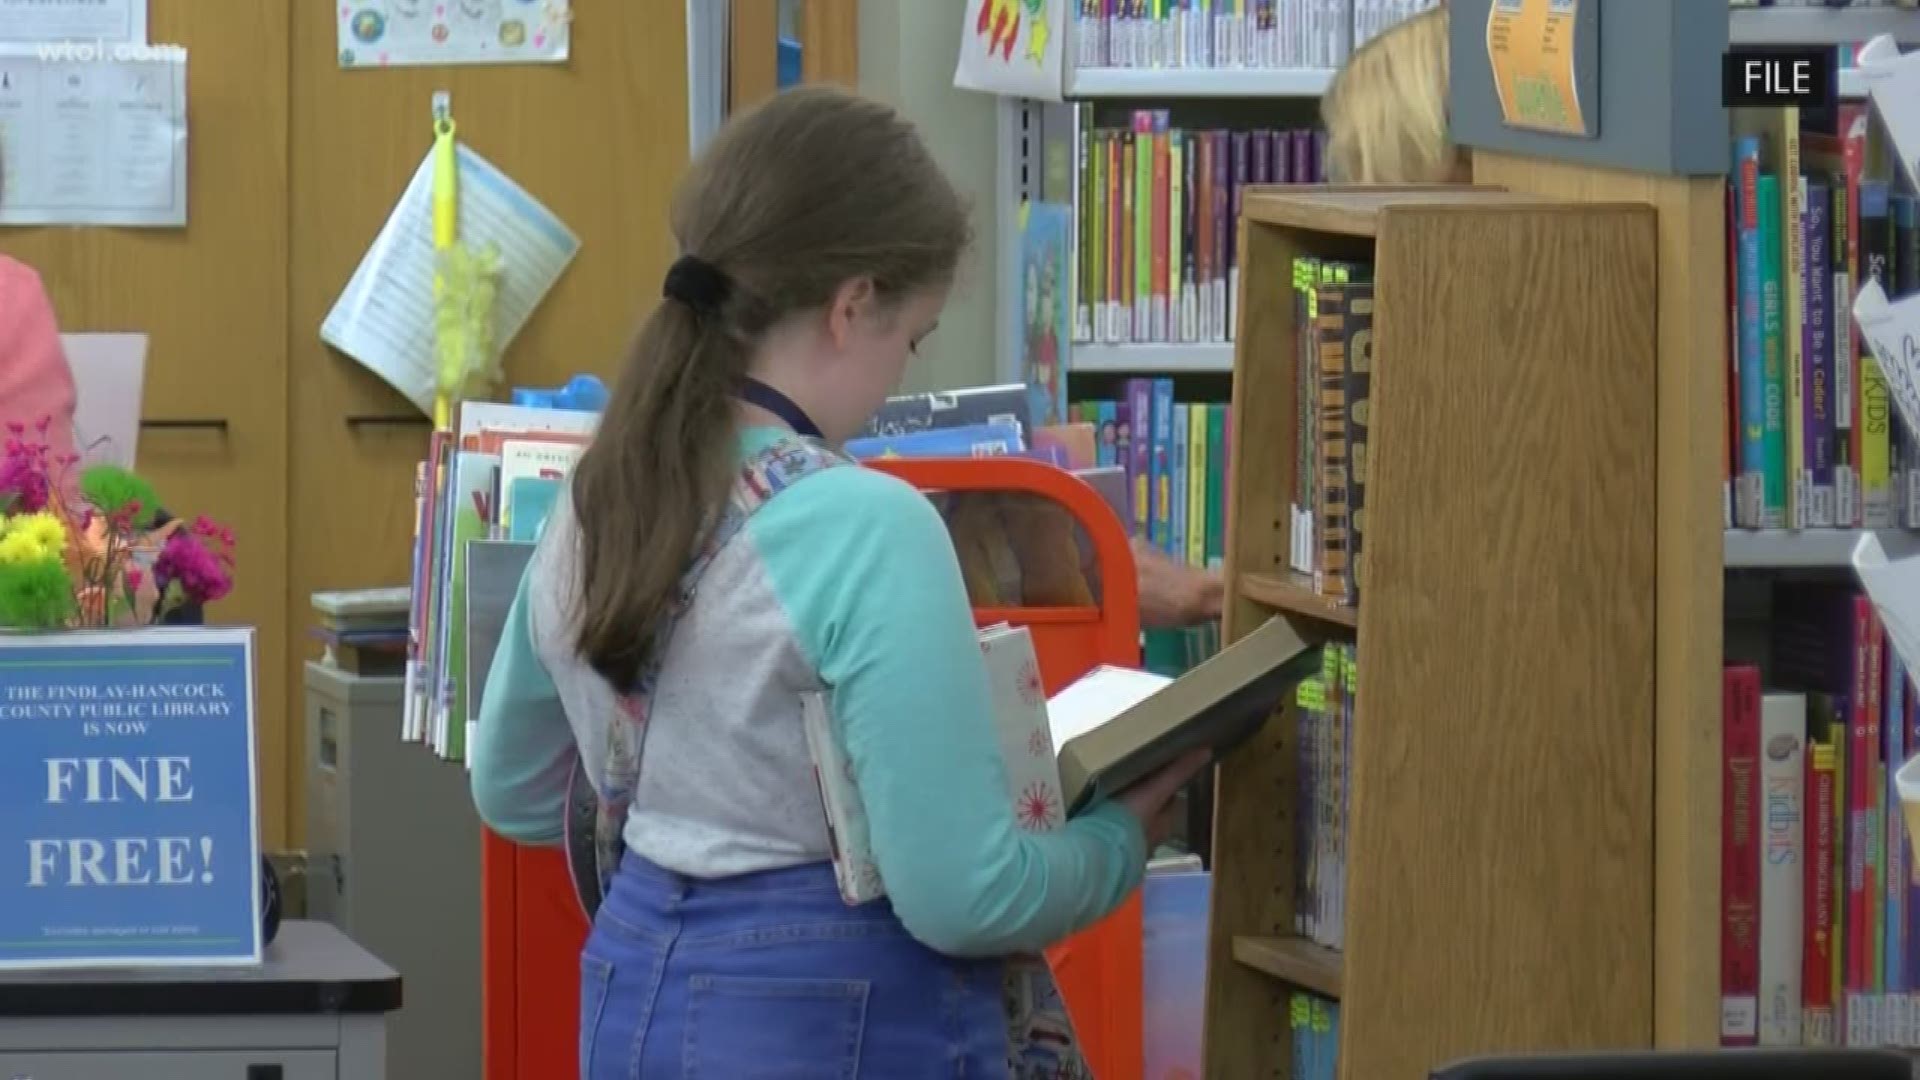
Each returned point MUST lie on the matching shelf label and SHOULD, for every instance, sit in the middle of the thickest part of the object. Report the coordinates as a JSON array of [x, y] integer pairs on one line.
[[1533, 47]]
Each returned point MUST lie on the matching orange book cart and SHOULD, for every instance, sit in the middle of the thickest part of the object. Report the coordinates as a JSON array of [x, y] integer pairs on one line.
[[532, 928]]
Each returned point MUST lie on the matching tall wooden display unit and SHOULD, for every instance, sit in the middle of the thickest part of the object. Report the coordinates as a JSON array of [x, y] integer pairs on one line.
[[1533, 826]]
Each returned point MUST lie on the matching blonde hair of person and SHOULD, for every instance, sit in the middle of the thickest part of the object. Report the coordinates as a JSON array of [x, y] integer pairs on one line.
[[1386, 112]]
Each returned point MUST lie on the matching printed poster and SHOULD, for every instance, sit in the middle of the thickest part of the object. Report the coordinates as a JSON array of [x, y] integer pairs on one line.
[[128, 802], [95, 22], [1013, 47], [1531, 47], [1046, 324], [93, 135], [422, 33]]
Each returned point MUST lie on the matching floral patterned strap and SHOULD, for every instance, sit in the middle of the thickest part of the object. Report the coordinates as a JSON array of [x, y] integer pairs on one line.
[[606, 800]]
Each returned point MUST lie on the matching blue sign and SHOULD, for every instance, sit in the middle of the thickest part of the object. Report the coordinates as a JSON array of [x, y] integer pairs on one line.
[[128, 825]]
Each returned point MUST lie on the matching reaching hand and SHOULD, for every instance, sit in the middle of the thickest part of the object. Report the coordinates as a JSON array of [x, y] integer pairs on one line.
[[1173, 594], [1151, 798]]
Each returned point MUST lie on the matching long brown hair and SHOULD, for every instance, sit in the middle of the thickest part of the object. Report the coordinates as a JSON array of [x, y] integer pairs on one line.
[[812, 189]]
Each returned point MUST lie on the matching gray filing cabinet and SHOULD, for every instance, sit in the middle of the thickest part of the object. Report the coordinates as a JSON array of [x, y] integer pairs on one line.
[[393, 849], [314, 1009]]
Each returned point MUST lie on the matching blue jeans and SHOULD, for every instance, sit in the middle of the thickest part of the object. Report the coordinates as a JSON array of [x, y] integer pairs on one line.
[[771, 976]]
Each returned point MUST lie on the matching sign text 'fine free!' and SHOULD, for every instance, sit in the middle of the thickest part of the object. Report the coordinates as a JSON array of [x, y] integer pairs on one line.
[[128, 831]]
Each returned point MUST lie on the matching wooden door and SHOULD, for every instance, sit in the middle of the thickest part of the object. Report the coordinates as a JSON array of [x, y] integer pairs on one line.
[[600, 140], [213, 300]]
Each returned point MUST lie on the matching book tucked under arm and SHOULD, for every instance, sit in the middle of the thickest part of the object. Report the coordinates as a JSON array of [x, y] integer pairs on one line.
[[881, 608]]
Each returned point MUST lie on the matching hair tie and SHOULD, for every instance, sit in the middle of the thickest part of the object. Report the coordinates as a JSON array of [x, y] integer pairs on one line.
[[698, 284]]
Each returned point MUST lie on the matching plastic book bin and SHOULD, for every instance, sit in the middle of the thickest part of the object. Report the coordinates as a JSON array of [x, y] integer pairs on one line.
[[532, 929]]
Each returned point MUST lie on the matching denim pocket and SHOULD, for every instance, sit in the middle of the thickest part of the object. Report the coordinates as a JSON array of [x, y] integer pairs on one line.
[[595, 974], [775, 1028]]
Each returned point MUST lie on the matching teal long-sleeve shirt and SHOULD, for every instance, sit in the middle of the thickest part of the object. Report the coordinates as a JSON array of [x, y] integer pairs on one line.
[[845, 581]]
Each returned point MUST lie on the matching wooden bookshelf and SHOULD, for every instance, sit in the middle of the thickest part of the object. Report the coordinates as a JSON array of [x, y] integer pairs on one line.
[[1500, 810], [1692, 551]]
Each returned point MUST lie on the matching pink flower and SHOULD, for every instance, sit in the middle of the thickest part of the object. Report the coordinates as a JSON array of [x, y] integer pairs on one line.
[[200, 573], [134, 577]]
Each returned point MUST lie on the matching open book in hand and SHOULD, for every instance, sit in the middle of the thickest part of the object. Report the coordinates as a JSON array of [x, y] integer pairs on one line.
[[1112, 728]]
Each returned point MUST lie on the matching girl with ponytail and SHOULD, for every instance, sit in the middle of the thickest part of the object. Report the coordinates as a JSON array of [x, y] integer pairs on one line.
[[714, 561]]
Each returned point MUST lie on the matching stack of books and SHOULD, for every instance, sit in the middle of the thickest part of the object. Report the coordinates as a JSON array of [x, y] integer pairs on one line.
[[495, 477]]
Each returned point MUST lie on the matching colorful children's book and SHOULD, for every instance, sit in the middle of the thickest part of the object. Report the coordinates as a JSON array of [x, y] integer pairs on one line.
[[1173, 961], [1026, 744], [973, 440], [1046, 240]]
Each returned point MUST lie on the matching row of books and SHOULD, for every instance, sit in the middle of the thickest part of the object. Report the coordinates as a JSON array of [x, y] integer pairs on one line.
[[1174, 454], [1815, 211], [1820, 943], [1325, 718], [1230, 33], [1314, 1023], [494, 477], [1333, 362], [1155, 236]]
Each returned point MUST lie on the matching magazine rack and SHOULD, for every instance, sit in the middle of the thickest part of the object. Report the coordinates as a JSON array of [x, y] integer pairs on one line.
[[532, 929]]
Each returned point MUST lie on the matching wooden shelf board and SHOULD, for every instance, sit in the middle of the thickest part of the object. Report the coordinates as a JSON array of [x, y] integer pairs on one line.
[[1292, 593], [1089, 357], [1294, 961], [1820, 25], [1784, 549], [1352, 212], [1198, 82]]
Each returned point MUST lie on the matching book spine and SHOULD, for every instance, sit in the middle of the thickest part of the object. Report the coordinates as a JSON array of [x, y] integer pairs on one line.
[[1162, 219], [1330, 567], [1753, 393], [1792, 312], [1113, 244], [1852, 128], [1816, 973], [1783, 721], [1894, 876], [1876, 784], [1143, 172], [1217, 488], [1876, 487], [1906, 282], [1124, 229], [1239, 183], [1161, 465], [1817, 358], [1773, 502], [1740, 858], [1359, 380], [1177, 479], [1140, 408], [1846, 484], [1859, 919], [1223, 238], [1197, 494], [1177, 198]]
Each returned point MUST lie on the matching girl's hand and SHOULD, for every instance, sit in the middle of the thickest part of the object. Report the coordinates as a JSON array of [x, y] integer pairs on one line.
[[1150, 799]]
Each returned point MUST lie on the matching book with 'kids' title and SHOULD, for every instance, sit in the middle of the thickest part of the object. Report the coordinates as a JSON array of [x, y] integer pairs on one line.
[[1109, 730]]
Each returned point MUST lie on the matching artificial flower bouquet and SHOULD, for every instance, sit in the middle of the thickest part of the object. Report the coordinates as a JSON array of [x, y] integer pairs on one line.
[[79, 547]]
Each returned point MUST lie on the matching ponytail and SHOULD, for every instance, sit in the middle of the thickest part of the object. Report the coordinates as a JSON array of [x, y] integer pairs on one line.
[[649, 487]]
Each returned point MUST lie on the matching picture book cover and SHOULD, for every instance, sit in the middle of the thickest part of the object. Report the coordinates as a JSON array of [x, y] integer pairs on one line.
[[1173, 958], [1046, 243]]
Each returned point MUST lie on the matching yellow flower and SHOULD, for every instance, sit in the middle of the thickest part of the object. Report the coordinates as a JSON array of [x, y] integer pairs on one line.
[[32, 538]]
